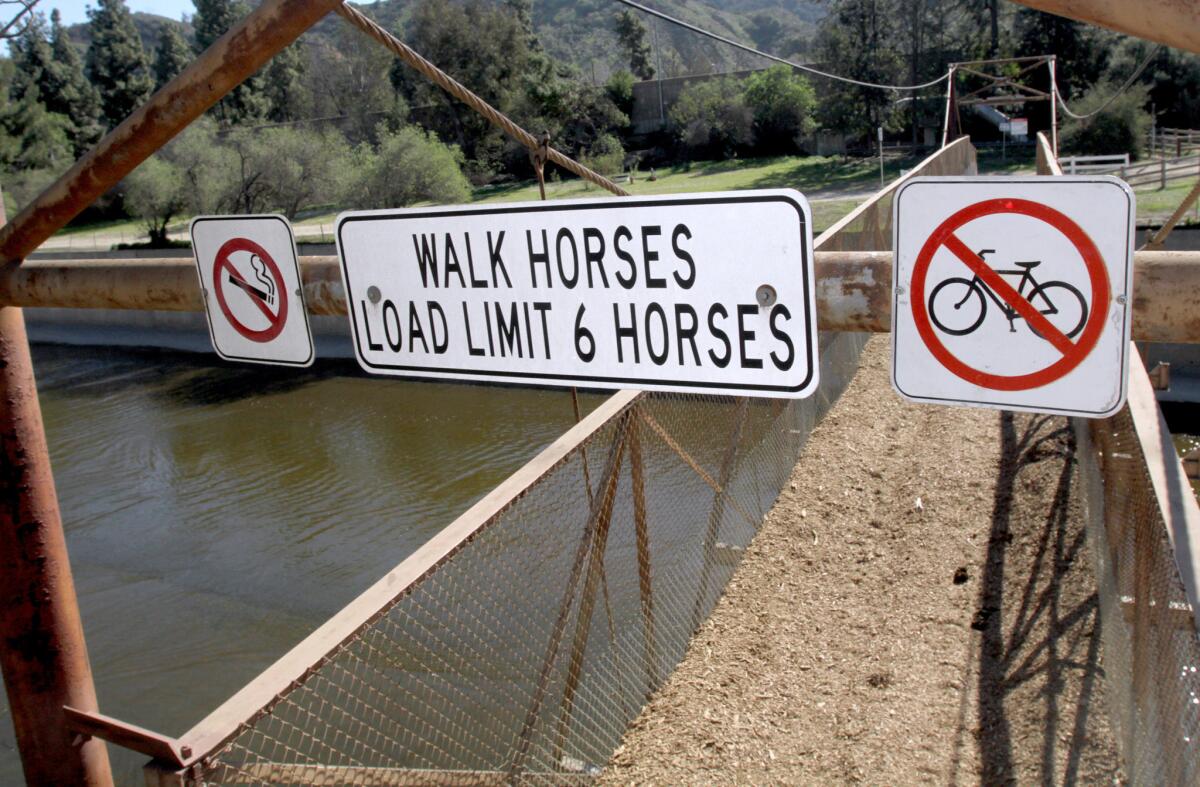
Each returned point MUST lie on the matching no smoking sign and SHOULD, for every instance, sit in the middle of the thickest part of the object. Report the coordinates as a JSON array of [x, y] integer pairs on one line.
[[1013, 293], [250, 279]]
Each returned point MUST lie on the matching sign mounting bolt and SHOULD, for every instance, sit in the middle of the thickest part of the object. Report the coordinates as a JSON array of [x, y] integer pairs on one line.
[[1121, 299], [373, 294], [765, 296]]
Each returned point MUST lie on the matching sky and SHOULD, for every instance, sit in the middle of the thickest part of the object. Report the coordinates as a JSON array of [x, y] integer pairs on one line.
[[74, 11]]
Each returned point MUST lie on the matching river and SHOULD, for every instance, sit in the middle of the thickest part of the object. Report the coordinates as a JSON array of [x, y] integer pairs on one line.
[[217, 514]]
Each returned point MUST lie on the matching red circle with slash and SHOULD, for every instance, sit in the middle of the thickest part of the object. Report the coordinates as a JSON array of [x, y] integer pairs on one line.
[[1073, 352], [275, 319]]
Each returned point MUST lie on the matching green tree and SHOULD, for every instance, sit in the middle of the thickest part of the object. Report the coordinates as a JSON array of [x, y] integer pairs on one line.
[[631, 33], [711, 118], [68, 90], [33, 137], [485, 48], [283, 85], [782, 103], [155, 192], [116, 63], [858, 39], [407, 166], [171, 57], [245, 102]]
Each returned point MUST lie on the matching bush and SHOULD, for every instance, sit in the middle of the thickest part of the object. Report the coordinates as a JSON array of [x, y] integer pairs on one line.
[[606, 155], [407, 166], [1119, 128], [711, 118]]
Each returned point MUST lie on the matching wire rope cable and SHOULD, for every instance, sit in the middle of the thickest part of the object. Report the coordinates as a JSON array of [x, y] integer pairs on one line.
[[785, 61], [1137, 72]]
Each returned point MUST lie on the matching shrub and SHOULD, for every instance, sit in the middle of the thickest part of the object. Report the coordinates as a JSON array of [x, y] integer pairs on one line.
[[407, 166], [1119, 128]]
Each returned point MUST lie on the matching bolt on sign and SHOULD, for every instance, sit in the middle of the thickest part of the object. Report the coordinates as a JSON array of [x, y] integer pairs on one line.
[[253, 298], [703, 293], [1013, 293]]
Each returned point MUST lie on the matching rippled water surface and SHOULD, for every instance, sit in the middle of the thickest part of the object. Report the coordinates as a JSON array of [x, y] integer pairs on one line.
[[216, 514]]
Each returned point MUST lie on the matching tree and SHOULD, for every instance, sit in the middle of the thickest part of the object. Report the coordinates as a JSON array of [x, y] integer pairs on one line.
[[347, 81], [409, 165], [782, 103], [299, 167], [283, 86], [155, 193], [35, 138], [68, 90], [172, 56], [485, 48], [711, 118], [858, 39], [245, 102], [116, 63], [631, 33]]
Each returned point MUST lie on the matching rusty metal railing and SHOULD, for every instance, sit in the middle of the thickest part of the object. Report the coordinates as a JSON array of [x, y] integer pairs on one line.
[[1143, 528]]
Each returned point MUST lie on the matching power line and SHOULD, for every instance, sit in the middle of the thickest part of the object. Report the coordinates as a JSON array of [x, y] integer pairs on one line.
[[768, 56], [1128, 82]]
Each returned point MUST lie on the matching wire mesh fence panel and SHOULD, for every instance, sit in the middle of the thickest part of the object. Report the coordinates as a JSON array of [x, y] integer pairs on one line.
[[525, 655], [1151, 651]]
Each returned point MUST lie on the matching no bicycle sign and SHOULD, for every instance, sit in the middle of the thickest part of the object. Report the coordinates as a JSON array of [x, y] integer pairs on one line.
[[708, 293], [1013, 292], [250, 280]]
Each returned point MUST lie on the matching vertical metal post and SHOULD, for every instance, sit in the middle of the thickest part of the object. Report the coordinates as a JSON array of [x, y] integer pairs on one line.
[[949, 101], [42, 652], [1054, 104]]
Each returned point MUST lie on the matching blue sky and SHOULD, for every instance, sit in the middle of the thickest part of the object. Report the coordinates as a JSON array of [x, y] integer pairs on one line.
[[74, 11]]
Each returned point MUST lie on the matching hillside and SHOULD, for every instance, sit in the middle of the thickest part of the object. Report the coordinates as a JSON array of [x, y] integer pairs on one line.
[[580, 32]]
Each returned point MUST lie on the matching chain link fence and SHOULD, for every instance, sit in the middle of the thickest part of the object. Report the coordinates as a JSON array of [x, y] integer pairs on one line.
[[1151, 652]]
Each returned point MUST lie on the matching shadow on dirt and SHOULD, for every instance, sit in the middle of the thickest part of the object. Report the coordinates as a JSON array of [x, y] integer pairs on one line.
[[1038, 614]]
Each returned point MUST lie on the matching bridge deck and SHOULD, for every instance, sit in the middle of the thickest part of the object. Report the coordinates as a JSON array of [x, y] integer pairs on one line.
[[845, 649]]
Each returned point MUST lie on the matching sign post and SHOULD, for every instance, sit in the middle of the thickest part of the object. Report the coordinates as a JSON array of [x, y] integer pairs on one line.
[[702, 293], [250, 278], [1013, 293]]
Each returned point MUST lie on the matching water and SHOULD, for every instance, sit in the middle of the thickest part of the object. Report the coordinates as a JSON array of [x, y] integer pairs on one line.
[[215, 514]]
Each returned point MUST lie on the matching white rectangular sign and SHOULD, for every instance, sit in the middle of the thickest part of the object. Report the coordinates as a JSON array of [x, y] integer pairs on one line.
[[707, 293], [1013, 292], [250, 280]]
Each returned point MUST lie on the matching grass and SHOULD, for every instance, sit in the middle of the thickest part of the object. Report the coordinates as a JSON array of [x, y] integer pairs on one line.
[[1155, 205], [834, 185]]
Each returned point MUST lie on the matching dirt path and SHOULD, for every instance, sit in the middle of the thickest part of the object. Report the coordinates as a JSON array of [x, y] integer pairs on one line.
[[918, 607]]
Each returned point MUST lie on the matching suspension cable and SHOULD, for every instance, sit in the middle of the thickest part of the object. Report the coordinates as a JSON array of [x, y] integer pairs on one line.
[[456, 89], [1137, 72], [767, 55]]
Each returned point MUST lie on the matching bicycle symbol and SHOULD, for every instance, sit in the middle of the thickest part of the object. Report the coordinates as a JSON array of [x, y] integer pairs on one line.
[[964, 307]]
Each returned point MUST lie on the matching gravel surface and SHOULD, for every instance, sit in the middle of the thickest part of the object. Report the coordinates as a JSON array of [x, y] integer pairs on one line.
[[918, 608]]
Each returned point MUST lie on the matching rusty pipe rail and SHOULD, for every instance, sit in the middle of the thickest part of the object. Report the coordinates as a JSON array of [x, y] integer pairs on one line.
[[853, 289], [235, 56]]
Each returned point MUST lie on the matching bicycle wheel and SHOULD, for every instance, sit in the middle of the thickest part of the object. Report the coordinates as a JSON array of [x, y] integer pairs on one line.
[[1062, 304], [960, 313]]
